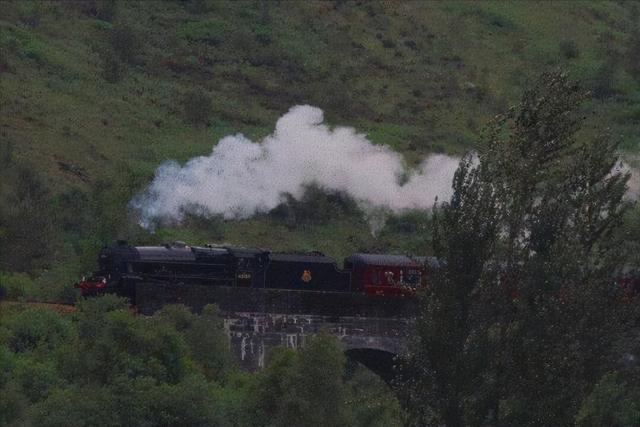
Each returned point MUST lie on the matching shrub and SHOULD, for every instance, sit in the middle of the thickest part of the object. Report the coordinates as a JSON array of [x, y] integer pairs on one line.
[[112, 68], [12, 405], [177, 315], [36, 378], [24, 214], [263, 35], [197, 7], [75, 406], [313, 389], [37, 328], [209, 344], [569, 49], [317, 206], [603, 83], [104, 10], [388, 43], [125, 43], [198, 107], [7, 364], [17, 286], [494, 19], [31, 16], [409, 222], [632, 55], [210, 227], [211, 32]]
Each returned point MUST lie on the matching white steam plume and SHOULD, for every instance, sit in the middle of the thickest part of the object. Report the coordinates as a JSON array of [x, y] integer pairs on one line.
[[241, 178], [633, 185]]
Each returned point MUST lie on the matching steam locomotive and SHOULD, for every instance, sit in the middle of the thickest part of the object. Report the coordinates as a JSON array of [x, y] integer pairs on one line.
[[122, 267]]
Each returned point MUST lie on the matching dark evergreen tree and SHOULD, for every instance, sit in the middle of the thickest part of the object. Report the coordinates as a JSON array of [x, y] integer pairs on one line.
[[518, 323]]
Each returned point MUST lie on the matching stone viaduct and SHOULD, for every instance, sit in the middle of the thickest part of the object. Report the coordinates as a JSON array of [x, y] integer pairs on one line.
[[372, 329]]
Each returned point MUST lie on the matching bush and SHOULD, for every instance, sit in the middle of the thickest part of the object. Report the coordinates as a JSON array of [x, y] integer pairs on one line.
[[125, 43], [305, 387], [412, 222], [211, 32], [632, 55], [198, 107], [210, 227], [31, 16], [112, 68], [317, 206], [204, 335], [197, 7], [177, 315], [26, 229], [17, 286], [36, 328], [104, 10], [56, 284], [209, 343], [569, 49], [12, 405], [90, 312], [76, 407], [603, 83], [7, 364], [36, 378]]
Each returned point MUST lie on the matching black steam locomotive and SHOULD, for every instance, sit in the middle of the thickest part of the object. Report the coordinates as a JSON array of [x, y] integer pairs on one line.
[[123, 267]]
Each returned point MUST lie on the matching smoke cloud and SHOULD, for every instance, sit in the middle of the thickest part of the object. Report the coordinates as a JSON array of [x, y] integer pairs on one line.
[[241, 178], [633, 185]]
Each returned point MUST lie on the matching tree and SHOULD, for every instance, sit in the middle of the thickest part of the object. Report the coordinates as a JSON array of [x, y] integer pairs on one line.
[[26, 227], [305, 388], [517, 324], [209, 343]]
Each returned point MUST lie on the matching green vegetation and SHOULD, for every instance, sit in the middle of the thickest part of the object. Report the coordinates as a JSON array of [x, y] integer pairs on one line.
[[96, 94], [522, 325], [103, 366]]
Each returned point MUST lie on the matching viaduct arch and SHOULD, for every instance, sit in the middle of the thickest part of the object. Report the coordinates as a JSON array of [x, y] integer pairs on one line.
[[371, 329]]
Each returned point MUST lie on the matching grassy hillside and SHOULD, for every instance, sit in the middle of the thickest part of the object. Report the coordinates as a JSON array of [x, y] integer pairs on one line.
[[94, 95]]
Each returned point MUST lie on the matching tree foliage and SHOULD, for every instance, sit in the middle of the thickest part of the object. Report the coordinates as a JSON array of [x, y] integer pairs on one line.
[[316, 206], [305, 388], [518, 323], [26, 226], [104, 366]]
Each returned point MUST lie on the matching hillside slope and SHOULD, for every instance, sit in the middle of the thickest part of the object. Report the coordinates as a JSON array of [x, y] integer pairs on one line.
[[96, 94]]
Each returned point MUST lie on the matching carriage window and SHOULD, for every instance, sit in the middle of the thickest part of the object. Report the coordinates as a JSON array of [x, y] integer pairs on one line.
[[375, 277], [389, 278], [413, 277]]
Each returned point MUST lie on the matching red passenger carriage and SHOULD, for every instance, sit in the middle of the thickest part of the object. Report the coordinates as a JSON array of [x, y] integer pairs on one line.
[[376, 274]]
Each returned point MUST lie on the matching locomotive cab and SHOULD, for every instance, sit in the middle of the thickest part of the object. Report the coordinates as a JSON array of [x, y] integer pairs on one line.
[[248, 266]]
